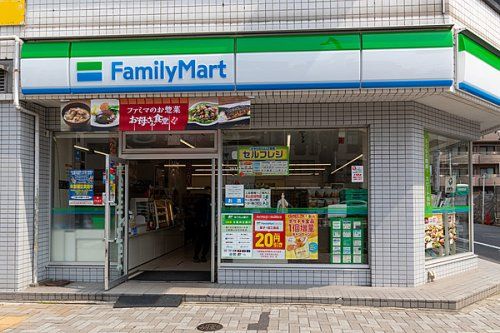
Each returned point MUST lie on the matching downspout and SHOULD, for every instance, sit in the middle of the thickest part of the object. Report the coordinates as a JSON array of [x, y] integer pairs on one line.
[[15, 75], [36, 213]]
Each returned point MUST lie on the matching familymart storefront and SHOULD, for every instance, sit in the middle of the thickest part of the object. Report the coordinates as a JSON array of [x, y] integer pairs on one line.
[[295, 159]]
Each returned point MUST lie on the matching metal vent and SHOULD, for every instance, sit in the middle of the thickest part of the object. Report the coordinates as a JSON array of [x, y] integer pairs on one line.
[[3, 81]]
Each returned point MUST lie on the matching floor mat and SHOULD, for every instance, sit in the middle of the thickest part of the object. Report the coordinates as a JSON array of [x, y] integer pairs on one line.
[[173, 276], [148, 301]]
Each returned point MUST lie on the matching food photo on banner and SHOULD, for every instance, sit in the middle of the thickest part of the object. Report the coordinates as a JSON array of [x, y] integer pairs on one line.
[[155, 114], [93, 115]]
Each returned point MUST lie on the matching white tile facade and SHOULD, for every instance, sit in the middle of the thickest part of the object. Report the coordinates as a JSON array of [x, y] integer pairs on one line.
[[396, 202], [396, 128]]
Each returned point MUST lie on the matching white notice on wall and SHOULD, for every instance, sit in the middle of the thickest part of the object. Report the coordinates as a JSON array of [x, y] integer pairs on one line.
[[357, 174], [260, 198]]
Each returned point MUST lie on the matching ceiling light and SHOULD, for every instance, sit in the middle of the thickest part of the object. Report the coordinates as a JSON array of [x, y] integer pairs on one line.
[[186, 143]]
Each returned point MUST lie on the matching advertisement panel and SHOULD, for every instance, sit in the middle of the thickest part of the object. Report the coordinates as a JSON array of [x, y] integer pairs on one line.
[[81, 187], [269, 236], [301, 236], [263, 160], [257, 198], [237, 238]]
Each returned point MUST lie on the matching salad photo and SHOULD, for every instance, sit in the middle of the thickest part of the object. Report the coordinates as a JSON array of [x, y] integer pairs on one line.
[[203, 113]]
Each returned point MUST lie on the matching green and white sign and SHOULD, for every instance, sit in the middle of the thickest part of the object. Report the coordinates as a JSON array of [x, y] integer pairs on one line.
[[312, 61], [237, 237]]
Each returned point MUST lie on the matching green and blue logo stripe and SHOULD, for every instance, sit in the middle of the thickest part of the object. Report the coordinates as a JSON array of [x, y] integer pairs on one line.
[[89, 71]]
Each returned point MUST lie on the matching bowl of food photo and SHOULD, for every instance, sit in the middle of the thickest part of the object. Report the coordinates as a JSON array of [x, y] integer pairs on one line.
[[76, 115]]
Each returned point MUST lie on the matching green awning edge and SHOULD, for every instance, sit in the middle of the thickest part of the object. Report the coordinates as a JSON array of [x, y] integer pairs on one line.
[[298, 43], [45, 50], [407, 39], [145, 47], [469, 45]]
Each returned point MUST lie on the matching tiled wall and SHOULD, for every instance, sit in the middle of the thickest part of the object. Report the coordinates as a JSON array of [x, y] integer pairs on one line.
[[78, 273], [396, 225], [478, 17], [452, 267]]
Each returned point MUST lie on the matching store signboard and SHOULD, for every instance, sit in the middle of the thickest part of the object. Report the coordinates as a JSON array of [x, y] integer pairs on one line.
[[301, 236], [234, 195], [81, 187], [237, 240], [169, 115], [450, 184], [257, 198], [269, 236], [263, 160], [357, 174]]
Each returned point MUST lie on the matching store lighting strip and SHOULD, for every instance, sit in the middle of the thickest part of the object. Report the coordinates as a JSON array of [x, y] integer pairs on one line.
[[88, 150], [174, 165], [186, 143], [353, 160]]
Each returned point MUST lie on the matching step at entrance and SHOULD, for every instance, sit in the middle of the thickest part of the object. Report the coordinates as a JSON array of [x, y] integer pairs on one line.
[[141, 301]]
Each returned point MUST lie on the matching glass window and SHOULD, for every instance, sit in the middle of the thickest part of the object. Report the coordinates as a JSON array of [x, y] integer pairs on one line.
[[77, 226], [295, 197], [447, 191], [170, 141]]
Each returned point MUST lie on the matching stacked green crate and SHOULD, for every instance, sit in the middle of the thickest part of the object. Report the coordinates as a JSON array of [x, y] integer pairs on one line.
[[348, 240]]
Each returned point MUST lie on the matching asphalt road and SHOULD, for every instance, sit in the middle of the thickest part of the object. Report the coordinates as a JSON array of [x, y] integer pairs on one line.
[[487, 235]]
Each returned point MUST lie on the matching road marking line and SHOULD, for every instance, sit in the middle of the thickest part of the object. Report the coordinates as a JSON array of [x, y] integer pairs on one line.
[[488, 245]]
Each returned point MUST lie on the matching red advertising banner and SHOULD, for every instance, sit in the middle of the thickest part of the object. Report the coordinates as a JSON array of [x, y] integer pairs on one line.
[[269, 236], [153, 114]]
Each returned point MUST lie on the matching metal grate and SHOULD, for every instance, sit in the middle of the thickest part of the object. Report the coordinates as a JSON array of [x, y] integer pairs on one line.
[[3, 81]]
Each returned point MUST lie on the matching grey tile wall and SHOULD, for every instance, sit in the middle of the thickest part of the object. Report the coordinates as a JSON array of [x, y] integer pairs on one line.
[[78, 273], [444, 269]]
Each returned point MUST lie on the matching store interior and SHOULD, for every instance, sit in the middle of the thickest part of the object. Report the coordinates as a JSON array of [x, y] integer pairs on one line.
[[170, 205]]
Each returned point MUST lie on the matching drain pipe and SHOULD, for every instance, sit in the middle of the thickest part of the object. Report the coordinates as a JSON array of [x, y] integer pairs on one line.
[[15, 75], [36, 211]]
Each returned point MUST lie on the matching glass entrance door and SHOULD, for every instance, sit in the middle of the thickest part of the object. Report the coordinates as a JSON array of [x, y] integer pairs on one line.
[[116, 222]]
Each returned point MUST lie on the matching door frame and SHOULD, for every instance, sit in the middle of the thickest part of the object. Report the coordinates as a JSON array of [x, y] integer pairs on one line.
[[215, 162], [108, 284]]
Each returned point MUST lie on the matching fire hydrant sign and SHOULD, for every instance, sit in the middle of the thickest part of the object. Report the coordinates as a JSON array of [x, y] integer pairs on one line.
[[269, 236], [237, 239], [302, 236]]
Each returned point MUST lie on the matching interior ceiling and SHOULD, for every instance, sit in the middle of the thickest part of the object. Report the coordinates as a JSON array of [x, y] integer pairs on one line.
[[457, 103]]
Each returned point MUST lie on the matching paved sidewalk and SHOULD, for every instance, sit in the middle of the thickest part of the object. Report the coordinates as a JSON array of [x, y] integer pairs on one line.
[[483, 317], [453, 292]]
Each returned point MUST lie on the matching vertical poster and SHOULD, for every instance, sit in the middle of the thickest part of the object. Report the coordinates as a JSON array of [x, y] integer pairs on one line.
[[81, 187], [302, 236], [237, 238], [269, 236], [357, 174], [427, 176]]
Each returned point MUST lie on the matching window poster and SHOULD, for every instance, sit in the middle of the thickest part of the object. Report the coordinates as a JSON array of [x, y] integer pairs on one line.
[[357, 174], [237, 238], [263, 160], [234, 195], [301, 236], [269, 236], [257, 198], [81, 187]]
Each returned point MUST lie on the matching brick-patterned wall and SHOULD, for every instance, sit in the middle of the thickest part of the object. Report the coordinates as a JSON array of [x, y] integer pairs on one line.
[[78, 273], [452, 267]]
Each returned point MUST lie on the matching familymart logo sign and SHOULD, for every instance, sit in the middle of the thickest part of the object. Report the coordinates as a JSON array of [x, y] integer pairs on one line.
[[205, 72], [89, 71]]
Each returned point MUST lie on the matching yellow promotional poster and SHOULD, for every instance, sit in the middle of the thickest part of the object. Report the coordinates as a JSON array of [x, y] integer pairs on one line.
[[301, 236], [12, 12]]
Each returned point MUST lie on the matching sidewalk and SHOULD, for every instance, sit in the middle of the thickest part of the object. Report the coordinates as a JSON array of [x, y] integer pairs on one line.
[[451, 293]]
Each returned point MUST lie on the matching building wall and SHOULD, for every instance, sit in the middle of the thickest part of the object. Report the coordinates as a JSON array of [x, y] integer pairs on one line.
[[396, 226], [478, 17]]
